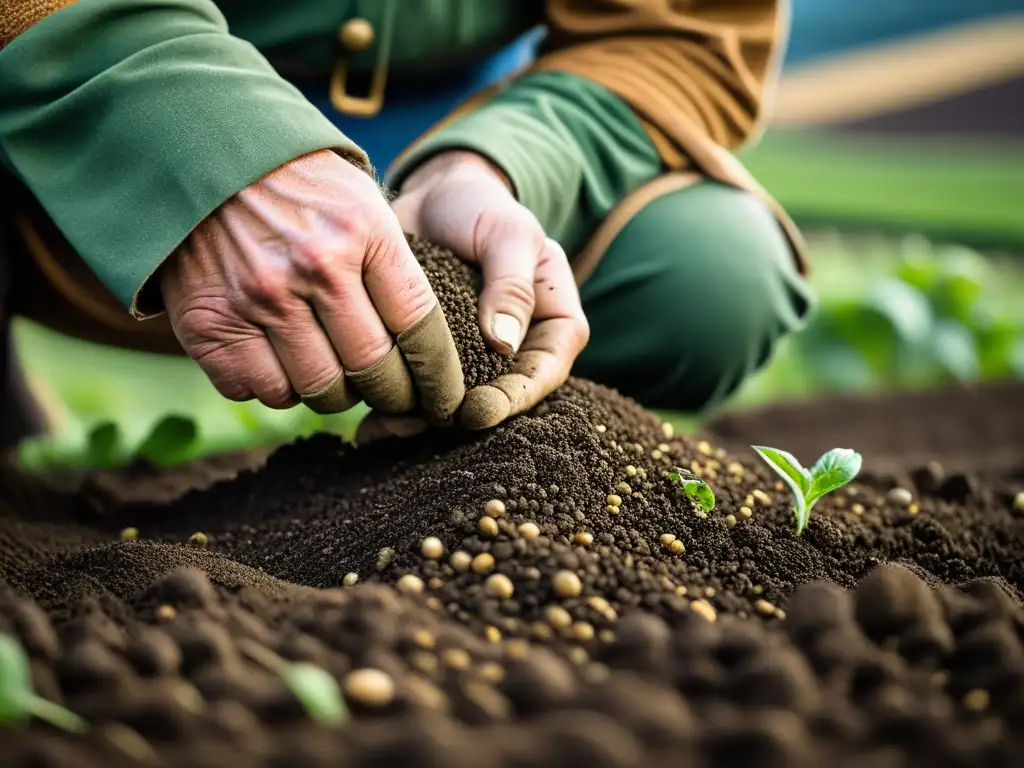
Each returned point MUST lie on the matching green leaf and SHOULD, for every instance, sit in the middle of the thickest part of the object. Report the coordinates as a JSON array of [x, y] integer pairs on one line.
[[700, 493], [15, 682], [318, 691], [954, 348], [103, 444], [787, 466], [169, 441], [797, 478], [833, 470]]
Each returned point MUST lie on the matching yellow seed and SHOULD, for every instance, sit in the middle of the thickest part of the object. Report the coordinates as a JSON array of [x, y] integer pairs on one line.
[[780, 614], [857, 509], [657, 455], [900, 496], [913, 509], [746, 512], [578, 656], [493, 635], [384, 558], [491, 671], [667, 538], [583, 631], [749, 500], [460, 561], [668, 430], [638, 449], [1018, 502], [432, 548], [483, 563], [129, 534], [541, 631], [600, 429], [734, 468], [612, 510], [350, 579], [529, 531], [758, 589], [681, 591], [165, 612], [370, 687], [488, 526], [517, 648], [584, 538], [606, 636], [500, 586], [709, 591], [424, 639], [557, 616], [614, 500], [456, 658], [664, 447], [730, 520], [764, 607], [598, 603], [977, 700], [567, 584], [410, 584], [704, 609], [624, 488], [677, 547], [198, 539], [704, 447], [761, 496], [495, 508], [630, 470]]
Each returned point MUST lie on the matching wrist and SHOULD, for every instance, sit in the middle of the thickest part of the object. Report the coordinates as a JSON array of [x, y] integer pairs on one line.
[[454, 161]]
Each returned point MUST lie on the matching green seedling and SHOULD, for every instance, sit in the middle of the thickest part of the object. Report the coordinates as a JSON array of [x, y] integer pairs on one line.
[[314, 687], [18, 702], [696, 490], [831, 472]]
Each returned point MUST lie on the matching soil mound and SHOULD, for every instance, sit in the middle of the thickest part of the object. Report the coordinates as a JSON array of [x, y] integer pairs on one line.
[[539, 595]]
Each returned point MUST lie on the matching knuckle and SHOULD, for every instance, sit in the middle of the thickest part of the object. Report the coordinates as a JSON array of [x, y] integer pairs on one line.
[[275, 393], [265, 287], [516, 289]]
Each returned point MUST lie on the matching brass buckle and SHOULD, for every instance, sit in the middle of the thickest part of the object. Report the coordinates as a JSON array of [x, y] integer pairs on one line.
[[370, 105]]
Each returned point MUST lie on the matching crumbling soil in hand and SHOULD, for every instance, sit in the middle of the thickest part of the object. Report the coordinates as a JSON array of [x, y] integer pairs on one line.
[[539, 594], [457, 285]]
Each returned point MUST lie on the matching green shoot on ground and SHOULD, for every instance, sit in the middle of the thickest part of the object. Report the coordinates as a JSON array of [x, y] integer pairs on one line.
[[314, 687], [18, 702], [831, 472], [696, 490]]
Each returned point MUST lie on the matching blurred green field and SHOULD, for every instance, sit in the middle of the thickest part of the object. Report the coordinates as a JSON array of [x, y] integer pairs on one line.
[[894, 313]]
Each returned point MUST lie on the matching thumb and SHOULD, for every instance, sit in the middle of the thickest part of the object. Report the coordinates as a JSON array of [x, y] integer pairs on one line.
[[508, 246]]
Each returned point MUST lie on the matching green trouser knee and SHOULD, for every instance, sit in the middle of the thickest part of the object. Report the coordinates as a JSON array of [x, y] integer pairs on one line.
[[691, 298]]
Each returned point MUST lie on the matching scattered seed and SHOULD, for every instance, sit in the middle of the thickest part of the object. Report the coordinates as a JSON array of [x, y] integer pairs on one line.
[[491, 671], [677, 547], [488, 526], [385, 557], [734, 468], [614, 500], [630, 470], [857, 509], [583, 631], [456, 658], [748, 501], [977, 700], [1018, 502], [198, 539], [746, 513], [541, 631], [761, 496], [410, 584], [500, 586], [657, 455], [370, 687], [730, 520], [495, 508], [424, 639], [350, 579], [780, 614], [900, 496], [529, 531], [583, 538], [611, 509], [483, 563], [460, 561], [701, 514], [558, 617], [606, 636], [704, 609], [567, 584], [624, 488], [165, 612], [600, 429], [129, 534], [667, 538], [913, 509], [764, 608], [432, 548], [704, 447], [493, 634]]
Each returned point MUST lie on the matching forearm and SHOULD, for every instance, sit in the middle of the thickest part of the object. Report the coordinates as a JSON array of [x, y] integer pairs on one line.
[[131, 120]]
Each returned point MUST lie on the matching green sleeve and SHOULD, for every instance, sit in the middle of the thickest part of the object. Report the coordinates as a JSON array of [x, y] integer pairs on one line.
[[571, 148], [132, 120]]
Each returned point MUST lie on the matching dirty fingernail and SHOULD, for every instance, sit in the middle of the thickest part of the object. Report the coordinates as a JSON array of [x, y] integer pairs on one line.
[[508, 330]]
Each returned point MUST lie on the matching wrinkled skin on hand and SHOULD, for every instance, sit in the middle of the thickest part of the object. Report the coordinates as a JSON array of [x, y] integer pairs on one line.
[[302, 287], [529, 304]]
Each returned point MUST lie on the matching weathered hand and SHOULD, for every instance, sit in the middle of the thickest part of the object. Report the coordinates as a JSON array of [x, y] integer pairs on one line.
[[298, 288], [529, 304]]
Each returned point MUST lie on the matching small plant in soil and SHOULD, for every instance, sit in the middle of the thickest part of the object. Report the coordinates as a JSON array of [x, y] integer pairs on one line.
[[829, 473], [696, 490], [314, 687], [18, 702]]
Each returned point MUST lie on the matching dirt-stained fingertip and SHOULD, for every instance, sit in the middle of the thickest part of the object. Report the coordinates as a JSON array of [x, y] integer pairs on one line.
[[429, 351]]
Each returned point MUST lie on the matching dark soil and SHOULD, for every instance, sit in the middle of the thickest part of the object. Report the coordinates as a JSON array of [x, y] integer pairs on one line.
[[593, 617]]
